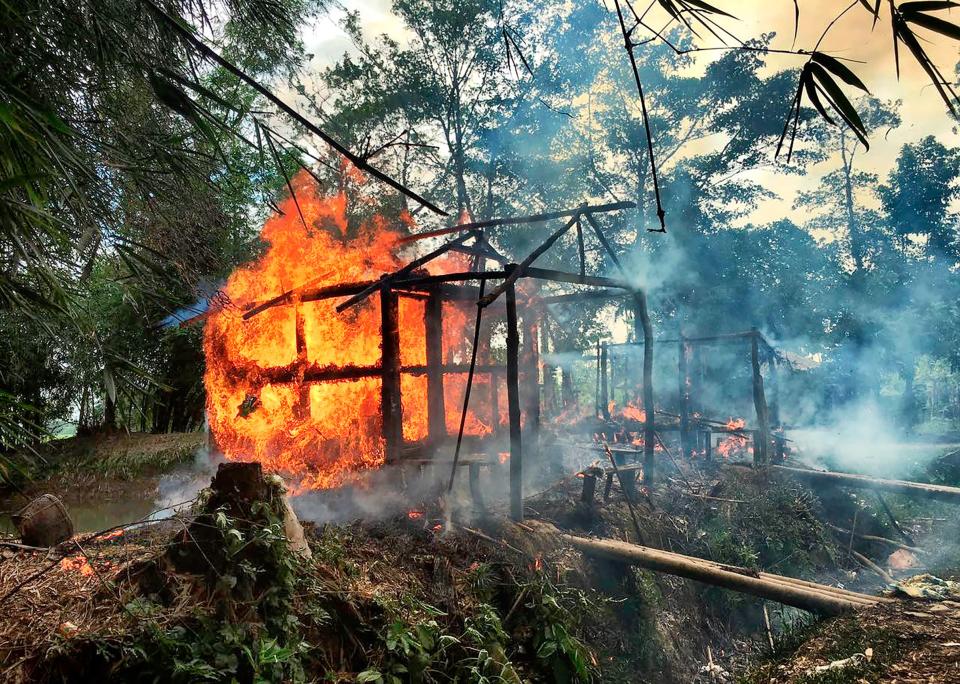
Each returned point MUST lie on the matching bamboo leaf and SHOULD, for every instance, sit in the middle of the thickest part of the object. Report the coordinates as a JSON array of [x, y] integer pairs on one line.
[[839, 69], [109, 384], [926, 6], [840, 102], [811, 89], [875, 11], [792, 115], [934, 24], [706, 7], [796, 18], [947, 93]]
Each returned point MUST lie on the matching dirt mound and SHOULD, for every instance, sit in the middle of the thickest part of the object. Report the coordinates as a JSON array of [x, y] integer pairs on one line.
[[907, 641]]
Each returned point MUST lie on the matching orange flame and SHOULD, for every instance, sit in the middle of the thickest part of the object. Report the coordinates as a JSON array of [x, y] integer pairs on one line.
[[322, 432], [76, 564], [736, 424]]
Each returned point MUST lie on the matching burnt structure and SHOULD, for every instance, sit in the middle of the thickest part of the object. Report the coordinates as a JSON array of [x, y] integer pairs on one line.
[[492, 291], [695, 430]]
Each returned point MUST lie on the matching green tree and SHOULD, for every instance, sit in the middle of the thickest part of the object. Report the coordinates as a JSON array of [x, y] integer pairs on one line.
[[918, 195], [841, 204], [125, 183]]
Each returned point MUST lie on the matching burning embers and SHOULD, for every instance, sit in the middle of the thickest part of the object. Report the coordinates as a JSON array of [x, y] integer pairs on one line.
[[297, 386]]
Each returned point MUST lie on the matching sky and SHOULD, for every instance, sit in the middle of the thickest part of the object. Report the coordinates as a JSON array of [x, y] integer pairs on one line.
[[923, 112]]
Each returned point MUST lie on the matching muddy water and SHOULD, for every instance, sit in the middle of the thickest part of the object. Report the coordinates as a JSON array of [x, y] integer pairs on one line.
[[107, 504]]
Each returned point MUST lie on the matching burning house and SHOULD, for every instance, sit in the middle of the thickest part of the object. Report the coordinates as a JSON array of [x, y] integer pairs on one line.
[[328, 357]]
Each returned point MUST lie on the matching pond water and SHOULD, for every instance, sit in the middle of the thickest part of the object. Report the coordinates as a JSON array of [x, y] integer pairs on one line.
[[92, 511]]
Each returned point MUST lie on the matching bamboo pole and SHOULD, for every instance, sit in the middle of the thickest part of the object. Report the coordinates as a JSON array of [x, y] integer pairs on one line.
[[808, 596], [905, 487], [917, 489]]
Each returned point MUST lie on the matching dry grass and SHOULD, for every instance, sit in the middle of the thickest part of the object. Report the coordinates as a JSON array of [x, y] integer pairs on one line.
[[72, 591]]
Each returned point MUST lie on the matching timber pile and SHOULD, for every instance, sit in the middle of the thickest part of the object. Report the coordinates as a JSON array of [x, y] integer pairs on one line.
[[817, 598]]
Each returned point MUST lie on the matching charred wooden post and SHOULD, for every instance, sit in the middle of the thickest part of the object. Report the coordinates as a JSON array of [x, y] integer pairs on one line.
[[590, 476], [774, 391], [683, 388], [760, 454], [707, 444], [475, 492], [604, 388], [596, 385], [513, 406], [433, 326], [628, 476], [779, 449], [644, 330], [301, 408], [608, 486], [390, 375], [531, 380]]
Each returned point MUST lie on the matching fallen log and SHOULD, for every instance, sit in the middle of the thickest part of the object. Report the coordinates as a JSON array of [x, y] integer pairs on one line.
[[798, 593], [917, 489]]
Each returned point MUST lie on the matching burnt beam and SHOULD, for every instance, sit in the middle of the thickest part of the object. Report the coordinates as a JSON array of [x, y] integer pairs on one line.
[[518, 220]]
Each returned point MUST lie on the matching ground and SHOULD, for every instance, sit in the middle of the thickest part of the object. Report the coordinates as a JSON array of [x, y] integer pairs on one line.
[[908, 641], [405, 599]]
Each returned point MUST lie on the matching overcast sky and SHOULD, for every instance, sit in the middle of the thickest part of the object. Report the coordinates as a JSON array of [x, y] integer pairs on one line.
[[923, 112]]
